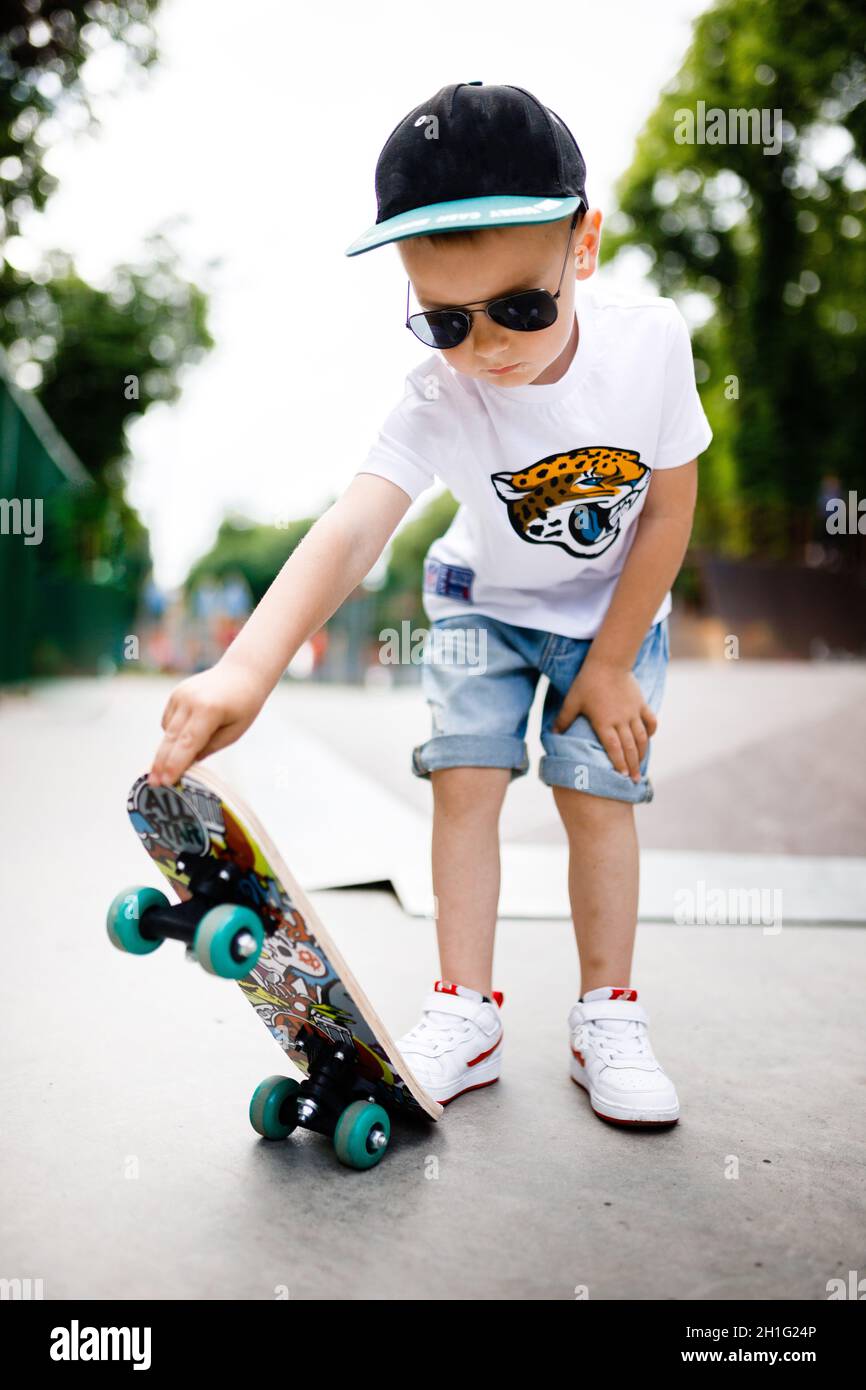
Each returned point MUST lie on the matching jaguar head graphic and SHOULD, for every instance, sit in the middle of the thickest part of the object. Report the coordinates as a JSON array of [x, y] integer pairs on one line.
[[575, 500]]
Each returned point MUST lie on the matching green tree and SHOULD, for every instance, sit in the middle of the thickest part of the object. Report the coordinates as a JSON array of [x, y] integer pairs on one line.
[[773, 245], [97, 358], [43, 46], [106, 356]]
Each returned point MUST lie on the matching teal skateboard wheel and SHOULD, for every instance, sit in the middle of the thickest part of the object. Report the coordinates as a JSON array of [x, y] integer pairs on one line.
[[362, 1134], [272, 1108], [228, 941], [124, 917]]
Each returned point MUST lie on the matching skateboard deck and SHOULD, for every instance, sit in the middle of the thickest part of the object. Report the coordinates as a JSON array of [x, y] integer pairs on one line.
[[300, 986]]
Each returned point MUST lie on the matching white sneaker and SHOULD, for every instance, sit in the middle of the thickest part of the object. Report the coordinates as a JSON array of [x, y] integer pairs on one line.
[[611, 1057], [457, 1046]]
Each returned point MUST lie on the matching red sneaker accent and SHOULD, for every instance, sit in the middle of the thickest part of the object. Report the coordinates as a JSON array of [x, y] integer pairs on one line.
[[479, 1087], [482, 1055], [609, 1119], [641, 1124], [446, 987], [628, 994]]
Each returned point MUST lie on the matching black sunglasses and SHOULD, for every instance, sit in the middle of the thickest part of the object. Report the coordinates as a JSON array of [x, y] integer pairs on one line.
[[524, 312]]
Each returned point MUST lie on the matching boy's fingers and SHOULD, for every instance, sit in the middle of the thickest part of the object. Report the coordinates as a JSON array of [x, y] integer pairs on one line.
[[186, 734], [157, 770], [224, 736], [173, 720], [169, 712], [177, 714], [166, 760], [641, 737], [563, 719], [568, 713], [613, 748], [193, 736], [629, 748], [649, 719]]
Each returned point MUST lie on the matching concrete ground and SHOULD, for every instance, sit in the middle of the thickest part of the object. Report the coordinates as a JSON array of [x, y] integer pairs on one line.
[[129, 1167]]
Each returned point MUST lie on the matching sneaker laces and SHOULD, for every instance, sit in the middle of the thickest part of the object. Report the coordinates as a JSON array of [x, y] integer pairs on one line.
[[616, 1040], [436, 1029]]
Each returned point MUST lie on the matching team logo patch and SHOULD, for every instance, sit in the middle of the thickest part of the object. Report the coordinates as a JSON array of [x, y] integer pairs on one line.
[[575, 500]]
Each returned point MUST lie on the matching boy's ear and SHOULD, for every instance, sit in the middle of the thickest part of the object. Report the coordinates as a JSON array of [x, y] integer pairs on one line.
[[587, 243]]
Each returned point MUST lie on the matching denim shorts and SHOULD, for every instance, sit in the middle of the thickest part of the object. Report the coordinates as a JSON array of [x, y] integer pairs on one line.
[[479, 676]]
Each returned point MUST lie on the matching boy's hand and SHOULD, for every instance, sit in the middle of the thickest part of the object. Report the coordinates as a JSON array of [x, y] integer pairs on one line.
[[612, 700], [205, 712]]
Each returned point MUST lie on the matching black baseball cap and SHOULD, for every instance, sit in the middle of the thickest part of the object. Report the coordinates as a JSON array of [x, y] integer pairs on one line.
[[474, 156]]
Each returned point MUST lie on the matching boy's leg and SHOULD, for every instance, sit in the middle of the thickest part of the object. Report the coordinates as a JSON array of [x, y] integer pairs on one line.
[[596, 805], [479, 683], [603, 881], [611, 1056], [467, 802]]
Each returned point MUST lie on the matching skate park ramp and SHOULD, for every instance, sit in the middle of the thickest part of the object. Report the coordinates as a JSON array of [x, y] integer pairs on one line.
[[755, 793]]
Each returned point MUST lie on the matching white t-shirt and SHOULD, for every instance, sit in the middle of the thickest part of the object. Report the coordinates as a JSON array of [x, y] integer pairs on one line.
[[551, 480]]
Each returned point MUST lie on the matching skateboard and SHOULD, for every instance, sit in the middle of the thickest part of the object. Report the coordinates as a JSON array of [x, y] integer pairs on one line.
[[243, 916]]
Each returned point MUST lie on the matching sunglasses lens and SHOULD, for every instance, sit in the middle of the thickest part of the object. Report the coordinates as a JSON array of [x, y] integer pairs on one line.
[[525, 313], [440, 328]]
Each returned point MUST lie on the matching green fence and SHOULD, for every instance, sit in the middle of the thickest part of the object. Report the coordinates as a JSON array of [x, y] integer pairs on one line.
[[49, 622]]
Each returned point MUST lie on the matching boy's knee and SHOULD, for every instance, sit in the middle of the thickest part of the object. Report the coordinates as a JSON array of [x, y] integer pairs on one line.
[[579, 809], [459, 790]]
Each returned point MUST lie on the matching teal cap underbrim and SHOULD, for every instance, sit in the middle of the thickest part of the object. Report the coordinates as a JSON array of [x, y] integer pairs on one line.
[[464, 215]]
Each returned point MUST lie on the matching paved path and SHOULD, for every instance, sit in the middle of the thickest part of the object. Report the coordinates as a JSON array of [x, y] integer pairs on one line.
[[130, 1170]]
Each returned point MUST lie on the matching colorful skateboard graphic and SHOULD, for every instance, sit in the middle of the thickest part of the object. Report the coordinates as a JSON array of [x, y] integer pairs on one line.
[[243, 916]]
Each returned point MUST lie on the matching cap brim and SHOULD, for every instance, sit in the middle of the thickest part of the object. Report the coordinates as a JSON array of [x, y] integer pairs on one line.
[[464, 215]]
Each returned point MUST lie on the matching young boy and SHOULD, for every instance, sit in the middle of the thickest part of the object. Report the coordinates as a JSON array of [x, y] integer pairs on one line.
[[567, 426]]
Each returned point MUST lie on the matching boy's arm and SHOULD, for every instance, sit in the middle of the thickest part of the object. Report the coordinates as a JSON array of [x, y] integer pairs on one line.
[[332, 559], [653, 563], [605, 689], [212, 709]]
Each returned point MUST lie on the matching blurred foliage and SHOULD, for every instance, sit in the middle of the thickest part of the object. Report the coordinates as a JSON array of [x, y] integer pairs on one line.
[[96, 357], [244, 547], [259, 552], [43, 47], [105, 356], [772, 247]]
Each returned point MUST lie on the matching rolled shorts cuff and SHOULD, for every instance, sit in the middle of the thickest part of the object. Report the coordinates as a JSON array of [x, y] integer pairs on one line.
[[581, 772], [471, 750]]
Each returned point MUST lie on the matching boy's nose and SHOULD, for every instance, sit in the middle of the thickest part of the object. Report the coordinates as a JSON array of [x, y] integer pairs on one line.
[[489, 340]]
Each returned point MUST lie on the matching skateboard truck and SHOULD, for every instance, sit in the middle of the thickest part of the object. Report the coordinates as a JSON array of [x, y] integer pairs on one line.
[[226, 937], [223, 935], [322, 1102]]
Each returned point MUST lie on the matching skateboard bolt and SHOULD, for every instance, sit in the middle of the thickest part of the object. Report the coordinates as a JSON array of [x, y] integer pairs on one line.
[[245, 944], [376, 1140]]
